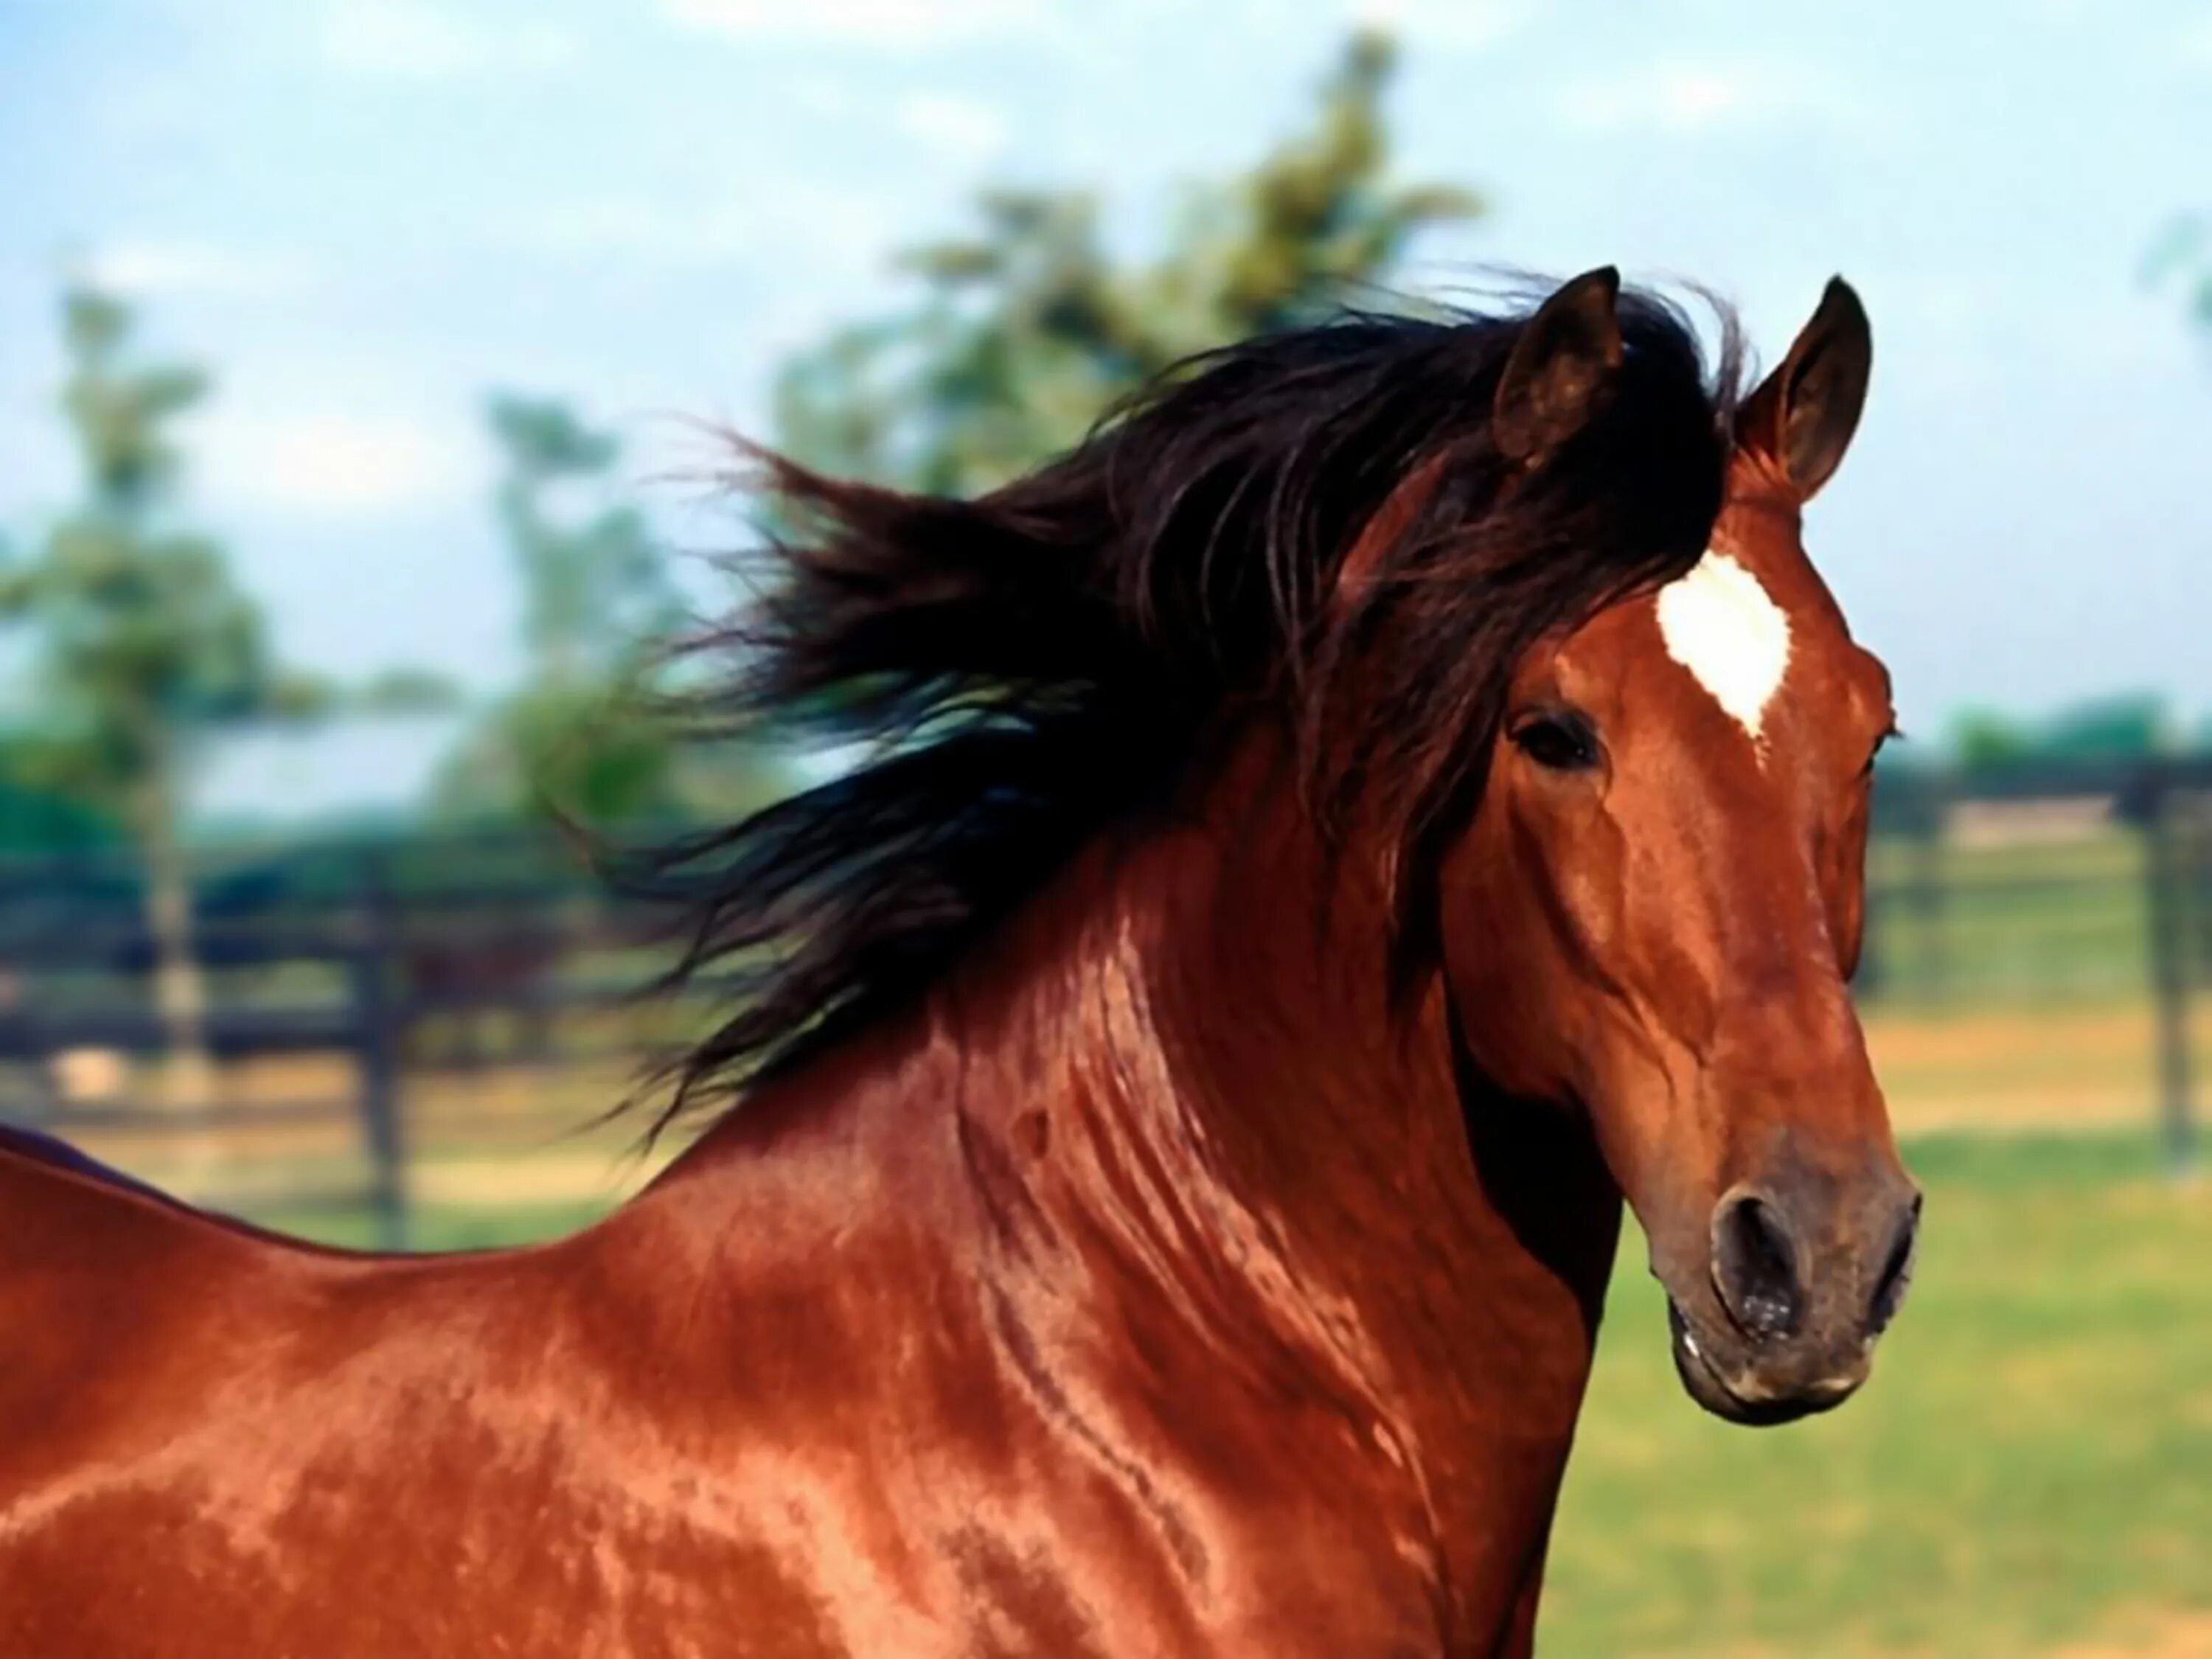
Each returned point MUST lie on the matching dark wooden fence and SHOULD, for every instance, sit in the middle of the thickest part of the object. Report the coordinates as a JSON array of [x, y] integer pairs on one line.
[[360, 948], [356, 949], [2152, 899]]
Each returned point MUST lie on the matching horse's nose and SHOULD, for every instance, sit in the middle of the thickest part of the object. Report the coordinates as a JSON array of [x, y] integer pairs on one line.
[[1756, 1264], [1765, 1255]]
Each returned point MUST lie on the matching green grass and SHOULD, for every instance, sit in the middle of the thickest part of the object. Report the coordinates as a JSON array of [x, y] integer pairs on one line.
[[2031, 1463]]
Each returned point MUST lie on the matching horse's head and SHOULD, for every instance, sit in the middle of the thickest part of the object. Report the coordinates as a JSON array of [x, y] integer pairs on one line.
[[1656, 908]]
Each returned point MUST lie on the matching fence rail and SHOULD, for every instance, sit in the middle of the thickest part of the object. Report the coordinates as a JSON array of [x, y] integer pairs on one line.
[[354, 950], [2117, 896], [2086, 880]]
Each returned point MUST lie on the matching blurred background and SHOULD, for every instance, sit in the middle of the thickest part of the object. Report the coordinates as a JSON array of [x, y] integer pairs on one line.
[[362, 369]]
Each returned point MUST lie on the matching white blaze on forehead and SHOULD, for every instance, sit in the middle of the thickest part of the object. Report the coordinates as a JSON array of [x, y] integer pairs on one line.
[[1720, 625]]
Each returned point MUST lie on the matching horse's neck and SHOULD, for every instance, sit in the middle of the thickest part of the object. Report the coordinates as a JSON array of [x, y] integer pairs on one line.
[[1454, 1244], [1164, 1093]]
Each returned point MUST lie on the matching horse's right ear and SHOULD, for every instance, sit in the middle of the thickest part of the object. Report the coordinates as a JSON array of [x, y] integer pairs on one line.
[[1561, 364], [1803, 416]]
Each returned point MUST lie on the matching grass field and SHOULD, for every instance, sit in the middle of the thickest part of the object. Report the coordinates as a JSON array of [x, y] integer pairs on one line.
[[2029, 1471]]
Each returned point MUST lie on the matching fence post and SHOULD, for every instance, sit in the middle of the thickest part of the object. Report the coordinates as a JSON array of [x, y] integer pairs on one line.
[[2166, 893], [1931, 892], [2198, 861], [376, 1024]]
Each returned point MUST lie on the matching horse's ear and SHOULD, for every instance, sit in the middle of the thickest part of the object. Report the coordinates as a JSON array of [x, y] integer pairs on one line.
[[1803, 415], [1561, 365]]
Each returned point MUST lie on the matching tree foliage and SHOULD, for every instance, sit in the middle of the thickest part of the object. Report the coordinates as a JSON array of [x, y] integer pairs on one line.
[[1029, 328], [594, 581], [2128, 727], [140, 642], [580, 735]]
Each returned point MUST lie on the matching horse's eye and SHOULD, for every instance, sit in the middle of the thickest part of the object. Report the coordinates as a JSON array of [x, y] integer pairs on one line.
[[1563, 742]]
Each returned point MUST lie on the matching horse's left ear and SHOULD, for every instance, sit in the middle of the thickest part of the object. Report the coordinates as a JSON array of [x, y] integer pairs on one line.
[[1803, 415], [1561, 362]]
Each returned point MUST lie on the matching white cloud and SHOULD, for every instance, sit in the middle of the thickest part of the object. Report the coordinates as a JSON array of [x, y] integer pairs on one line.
[[890, 23], [418, 39], [197, 269], [954, 129], [1693, 94], [333, 464]]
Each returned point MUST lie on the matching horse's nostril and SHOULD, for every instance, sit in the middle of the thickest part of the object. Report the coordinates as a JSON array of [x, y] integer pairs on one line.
[[1755, 1266], [1896, 1271]]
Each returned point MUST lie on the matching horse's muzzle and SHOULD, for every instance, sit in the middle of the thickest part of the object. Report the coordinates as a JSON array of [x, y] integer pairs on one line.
[[1786, 1324]]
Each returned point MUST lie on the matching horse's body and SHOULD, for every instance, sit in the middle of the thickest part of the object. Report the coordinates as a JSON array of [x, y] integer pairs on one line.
[[970, 1342], [1173, 1272]]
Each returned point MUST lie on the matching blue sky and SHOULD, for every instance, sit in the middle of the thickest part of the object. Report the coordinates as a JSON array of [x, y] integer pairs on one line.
[[365, 213]]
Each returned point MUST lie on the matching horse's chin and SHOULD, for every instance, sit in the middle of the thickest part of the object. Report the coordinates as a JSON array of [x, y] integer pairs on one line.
[[1704, 1383]]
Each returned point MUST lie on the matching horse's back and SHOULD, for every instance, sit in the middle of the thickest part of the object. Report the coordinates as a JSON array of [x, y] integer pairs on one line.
[[44, 1152], [97, 1271], [211, 1428], [214, 1442], [64, 1213]]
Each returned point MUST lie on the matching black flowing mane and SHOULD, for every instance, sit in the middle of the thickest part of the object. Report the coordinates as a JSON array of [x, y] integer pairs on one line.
[[1026, 668]]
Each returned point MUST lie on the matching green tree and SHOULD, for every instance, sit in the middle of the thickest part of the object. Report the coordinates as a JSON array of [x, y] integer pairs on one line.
[[594, 583], [580, 734], [37, 822], [2123, 727], [139, 642], [1985, 740], [1028, 330], [403, 691]]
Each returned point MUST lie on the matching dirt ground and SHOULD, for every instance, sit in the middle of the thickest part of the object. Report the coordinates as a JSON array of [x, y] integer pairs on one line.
[[2024, 1068], [2188, 1636]]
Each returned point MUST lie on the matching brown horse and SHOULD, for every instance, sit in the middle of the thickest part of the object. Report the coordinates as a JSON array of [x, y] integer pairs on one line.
[[1397, 788]]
